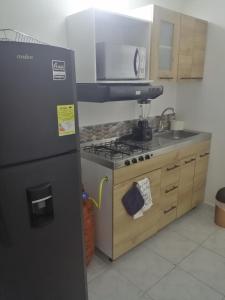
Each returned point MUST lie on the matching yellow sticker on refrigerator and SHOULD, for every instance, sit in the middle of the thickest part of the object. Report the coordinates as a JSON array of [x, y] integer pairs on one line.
[[66, 119]]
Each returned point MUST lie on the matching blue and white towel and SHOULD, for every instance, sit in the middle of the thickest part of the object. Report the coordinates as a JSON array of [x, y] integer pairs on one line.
[[145, 190]]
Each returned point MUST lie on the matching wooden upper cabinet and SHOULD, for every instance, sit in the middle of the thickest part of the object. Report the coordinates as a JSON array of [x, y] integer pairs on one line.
[[165, 44], [192, 45], [185, 57], [178, 46], [199, 48]]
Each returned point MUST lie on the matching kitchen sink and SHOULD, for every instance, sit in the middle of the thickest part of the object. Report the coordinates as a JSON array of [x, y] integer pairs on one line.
[[177, 135]]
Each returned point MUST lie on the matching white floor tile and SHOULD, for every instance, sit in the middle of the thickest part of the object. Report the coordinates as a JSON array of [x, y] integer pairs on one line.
[[143, 267], [178, 285], [111, 285], [171, 245], [197, 225], [207, 267], [216, 242], [95, 268]]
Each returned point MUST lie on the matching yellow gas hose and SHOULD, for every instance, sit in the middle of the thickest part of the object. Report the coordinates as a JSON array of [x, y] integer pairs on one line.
[[98, 203]]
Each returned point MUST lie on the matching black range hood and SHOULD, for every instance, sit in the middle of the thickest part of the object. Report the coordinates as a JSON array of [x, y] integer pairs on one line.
[[105, 92]]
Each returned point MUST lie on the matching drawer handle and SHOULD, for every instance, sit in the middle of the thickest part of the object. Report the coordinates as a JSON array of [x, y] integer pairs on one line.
[[172, 189], [172, 168], [169, 210], [165, 77], [189, 161], [205, 154]]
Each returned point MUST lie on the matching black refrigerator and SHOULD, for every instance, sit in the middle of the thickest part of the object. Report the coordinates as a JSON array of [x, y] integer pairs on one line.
[[41, 240]]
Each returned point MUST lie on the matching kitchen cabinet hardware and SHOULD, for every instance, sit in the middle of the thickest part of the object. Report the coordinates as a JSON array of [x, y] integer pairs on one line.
[[169, 210], [178, 45], [197, 78], [172, 168], [171, 189], [127, 162], [203, 155], [166, 77], [189, 161]]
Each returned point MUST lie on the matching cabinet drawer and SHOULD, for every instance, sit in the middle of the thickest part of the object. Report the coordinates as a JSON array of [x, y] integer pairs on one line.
[[124, 174], [168, 215], [170, 174], [169, 195]]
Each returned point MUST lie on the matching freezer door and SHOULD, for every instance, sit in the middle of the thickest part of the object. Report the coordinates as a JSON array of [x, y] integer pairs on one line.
[[34, 81], [42, 258]]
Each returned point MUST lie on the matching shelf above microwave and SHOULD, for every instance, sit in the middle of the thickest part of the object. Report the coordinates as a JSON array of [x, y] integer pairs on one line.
[[88, 28]]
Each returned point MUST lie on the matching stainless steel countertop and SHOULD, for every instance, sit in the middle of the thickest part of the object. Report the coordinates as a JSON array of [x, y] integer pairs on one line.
[[157, 146]]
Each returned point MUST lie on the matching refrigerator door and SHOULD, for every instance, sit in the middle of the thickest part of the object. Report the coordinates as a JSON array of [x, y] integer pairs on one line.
[[41, 239], [34, 81]]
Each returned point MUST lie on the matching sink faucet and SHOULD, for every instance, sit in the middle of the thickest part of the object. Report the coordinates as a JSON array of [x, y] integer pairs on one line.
[[162, 122]]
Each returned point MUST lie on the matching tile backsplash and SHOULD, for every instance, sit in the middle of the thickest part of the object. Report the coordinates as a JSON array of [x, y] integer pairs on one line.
[[110, 130], [105, 131]]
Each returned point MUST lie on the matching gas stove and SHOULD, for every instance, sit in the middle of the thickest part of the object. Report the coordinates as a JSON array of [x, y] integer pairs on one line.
[[117, 153]]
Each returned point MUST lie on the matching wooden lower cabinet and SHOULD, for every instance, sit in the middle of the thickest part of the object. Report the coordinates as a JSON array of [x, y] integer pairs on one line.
[[186, 182], [176, 188], [127, 232], [200, 177]]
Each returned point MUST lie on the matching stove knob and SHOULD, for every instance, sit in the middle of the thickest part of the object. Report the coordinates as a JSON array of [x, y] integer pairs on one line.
[[147, 156], [127, 162], [134, 160], [141, 158]]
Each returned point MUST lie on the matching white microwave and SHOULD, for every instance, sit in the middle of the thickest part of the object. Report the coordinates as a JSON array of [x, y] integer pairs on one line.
[[120, 62]]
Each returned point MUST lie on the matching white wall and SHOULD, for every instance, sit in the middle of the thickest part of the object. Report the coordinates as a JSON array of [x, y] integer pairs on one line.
[[44, 19], [202, 104]]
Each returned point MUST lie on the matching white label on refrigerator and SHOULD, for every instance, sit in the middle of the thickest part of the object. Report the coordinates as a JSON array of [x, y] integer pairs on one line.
[[59, 69]]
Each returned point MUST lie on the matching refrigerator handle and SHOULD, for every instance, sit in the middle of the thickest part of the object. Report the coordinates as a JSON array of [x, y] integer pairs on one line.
[[4, 234]]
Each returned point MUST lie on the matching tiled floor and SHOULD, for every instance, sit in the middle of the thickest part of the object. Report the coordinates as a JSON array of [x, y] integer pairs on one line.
[[185, 261]]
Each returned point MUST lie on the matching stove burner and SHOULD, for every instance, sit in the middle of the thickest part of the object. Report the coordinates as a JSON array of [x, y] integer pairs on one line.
[[115, 150]]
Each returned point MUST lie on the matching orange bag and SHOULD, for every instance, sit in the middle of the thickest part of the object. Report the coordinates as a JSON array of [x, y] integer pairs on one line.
[[89, 230]]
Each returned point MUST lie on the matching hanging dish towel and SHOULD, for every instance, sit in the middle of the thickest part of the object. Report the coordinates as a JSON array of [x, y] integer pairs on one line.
[[133, 200], [145, 190]]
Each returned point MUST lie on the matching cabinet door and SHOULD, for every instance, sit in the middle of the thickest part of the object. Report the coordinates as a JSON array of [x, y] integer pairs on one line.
[[187, 172], [200, 177], [127, 232], [199, 48], [186, 47], [192, 45], [164, 44]]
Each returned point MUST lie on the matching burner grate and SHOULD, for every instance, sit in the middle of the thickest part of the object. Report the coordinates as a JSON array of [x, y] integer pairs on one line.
[[114, 149]]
